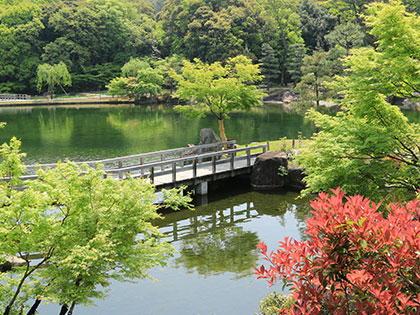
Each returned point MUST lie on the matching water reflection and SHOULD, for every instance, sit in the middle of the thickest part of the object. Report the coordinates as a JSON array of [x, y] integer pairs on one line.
[[230, 249], [214, 239], [85, 133]]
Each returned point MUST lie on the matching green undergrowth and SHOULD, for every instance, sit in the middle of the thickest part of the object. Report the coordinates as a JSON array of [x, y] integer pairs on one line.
[[281, 145]]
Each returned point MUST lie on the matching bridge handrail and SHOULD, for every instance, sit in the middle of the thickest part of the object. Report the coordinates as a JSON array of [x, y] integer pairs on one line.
[[14, 96], [141, 155], [184, 159], [173, 162]]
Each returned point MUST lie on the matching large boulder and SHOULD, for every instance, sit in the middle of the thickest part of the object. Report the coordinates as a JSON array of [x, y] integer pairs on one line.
[[208, 136], [269, 170], [295, 175]]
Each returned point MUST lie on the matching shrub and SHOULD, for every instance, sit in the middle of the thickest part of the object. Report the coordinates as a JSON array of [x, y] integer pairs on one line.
[[274, 302], [356, 259]]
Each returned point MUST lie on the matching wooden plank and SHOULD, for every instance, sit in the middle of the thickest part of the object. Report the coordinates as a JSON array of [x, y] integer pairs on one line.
[[195, 168], [174, 172], [232, 161]]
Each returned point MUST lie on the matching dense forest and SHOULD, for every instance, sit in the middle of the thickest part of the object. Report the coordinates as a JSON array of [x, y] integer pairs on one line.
[[296, 42]]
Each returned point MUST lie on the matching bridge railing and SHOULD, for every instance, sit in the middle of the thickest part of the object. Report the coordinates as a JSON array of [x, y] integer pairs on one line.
[[169, 162], [144, 158], [174, 166], [14, 97]]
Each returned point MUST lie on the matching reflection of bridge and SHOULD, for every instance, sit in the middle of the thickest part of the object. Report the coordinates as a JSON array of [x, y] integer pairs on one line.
[[190, 166], [193, 224]]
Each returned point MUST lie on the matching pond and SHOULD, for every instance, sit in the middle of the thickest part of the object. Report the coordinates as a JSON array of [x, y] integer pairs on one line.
[[212, 273], [85, 133]]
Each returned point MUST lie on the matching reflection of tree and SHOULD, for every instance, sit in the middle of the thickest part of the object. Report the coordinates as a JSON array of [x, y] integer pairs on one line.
[[55, 126], [222, 250], [278, 204]]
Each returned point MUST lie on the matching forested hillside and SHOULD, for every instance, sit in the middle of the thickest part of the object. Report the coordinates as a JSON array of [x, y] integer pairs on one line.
[[95, 38]]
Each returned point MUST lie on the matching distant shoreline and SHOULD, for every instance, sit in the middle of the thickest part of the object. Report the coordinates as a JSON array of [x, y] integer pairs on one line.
[[88, 100]]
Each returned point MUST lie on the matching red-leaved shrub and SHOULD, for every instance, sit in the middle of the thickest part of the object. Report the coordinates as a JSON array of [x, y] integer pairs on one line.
[[356, 261]]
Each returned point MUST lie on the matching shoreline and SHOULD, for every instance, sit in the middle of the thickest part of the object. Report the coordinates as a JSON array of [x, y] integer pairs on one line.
[[99, 99], [89, 100]]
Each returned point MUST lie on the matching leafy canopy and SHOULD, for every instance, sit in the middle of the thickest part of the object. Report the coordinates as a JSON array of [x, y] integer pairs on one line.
[[52, 75], [86, 229], [218, 89], [371, 148]]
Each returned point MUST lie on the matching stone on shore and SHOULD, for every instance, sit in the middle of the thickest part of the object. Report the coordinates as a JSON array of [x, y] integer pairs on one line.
[[11, 261], [208, 136], [266, 173], [295, 175]]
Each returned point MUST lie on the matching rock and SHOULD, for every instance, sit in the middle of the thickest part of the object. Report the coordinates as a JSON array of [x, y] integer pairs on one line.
[[281, 96], [289, 97], [265, 172], [410, 104], [11, 261], [404, 103], [295, 175], [207, 136], [271, 97]]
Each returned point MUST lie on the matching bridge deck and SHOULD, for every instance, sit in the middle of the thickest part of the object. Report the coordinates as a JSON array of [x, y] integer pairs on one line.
[[175, 167], [185, 175]]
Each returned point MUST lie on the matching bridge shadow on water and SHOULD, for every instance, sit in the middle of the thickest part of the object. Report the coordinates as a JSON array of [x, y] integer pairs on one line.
[[215, 238]]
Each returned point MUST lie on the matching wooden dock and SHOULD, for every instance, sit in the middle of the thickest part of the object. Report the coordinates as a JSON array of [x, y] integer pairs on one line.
[[189, 166]]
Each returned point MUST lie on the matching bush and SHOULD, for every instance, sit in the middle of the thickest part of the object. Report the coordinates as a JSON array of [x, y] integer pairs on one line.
[[357, 260], [273, 303]]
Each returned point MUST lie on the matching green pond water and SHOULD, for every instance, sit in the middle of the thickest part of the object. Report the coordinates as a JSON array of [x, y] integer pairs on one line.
[[86, 133], [212, 273]]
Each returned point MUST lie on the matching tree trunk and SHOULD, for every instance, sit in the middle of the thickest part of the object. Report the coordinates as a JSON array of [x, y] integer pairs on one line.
[[71, 308], [19, 287], [34, 307], [316, 90], [222, 130], [64, 309], [50, 89], [63, 89], [283, 66]]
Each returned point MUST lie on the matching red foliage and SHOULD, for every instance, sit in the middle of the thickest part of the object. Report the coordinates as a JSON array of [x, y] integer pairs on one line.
[[356, 261]]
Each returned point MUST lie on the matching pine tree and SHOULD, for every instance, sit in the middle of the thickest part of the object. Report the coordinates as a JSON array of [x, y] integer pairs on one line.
[[295, 61], [270, 65]]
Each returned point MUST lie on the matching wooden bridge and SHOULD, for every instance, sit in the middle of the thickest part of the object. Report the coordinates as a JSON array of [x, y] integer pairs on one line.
[[189, 166]]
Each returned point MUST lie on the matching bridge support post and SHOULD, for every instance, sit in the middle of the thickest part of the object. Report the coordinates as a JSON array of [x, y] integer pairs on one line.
[[202, 188]]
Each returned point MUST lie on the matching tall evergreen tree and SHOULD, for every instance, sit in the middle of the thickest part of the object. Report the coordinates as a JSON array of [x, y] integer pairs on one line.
[[295, 61], [270, 67]]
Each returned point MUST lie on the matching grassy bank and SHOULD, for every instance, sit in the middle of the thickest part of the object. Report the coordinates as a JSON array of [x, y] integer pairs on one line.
[[282, 145]]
